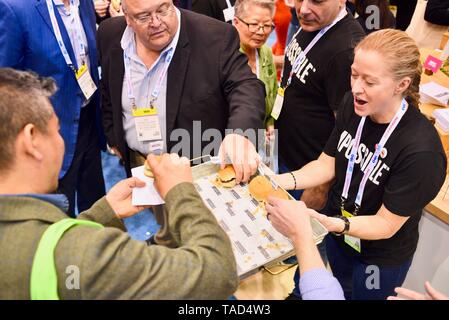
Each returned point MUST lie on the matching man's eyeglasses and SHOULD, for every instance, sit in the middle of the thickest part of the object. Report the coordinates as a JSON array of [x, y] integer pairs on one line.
[[255, 27], [148, 18]]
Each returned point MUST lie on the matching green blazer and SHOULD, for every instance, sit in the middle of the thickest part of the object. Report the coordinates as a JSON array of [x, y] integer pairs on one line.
[[268, 76], [112, 265]]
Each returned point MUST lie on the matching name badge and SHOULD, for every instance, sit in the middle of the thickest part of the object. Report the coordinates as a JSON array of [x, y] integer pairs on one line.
[[277, 107], [157, 147], [351, 241], [147, 124], [85, 82]]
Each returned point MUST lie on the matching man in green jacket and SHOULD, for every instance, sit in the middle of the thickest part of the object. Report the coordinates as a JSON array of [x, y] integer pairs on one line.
[[94, 259]]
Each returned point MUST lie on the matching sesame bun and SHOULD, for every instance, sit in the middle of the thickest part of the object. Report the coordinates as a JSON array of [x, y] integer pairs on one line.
[[260, 188], [146, 167], [226, 176]]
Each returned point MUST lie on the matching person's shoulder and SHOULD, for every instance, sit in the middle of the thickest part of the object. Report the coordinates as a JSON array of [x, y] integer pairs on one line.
[[112, 27], [206, 32], [202, 23], [19, 8], [420, 134], [348, 31], [346, 107], [265, 51], [15, 4]]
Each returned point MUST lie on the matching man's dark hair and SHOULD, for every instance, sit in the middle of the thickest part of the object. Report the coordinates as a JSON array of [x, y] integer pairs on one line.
[[24, 99]]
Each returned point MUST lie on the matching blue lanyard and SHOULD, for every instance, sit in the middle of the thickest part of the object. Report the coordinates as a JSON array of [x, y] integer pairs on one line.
[[350, 168], [57, 32], [157, 88]]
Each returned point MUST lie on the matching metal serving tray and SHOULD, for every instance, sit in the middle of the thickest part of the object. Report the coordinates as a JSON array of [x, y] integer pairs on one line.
[[256, 244]]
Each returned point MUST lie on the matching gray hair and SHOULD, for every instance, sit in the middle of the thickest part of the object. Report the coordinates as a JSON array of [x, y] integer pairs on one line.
[[24, 100], [241, 6]]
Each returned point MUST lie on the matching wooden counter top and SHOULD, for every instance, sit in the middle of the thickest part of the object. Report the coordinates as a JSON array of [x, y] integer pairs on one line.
[[439, 77], [439, 207]]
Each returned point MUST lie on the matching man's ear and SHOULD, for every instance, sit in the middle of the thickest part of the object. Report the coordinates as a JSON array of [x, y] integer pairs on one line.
[[403, 85], [127, 17], [30, 141]]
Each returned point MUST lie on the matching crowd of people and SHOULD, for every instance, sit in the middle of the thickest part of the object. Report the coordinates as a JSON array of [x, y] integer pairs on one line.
[[339, 94]]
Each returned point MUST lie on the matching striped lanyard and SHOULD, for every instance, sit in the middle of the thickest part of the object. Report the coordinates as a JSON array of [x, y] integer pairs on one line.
[[78, 39], [300, 58], [167, 59], [350, 168]]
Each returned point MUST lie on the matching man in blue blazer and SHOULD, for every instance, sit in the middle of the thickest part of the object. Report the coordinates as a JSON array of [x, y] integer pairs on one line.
[[56, 38]]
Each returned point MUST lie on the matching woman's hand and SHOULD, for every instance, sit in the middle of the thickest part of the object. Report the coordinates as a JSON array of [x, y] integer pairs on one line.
[[330, 223], [406, 294]]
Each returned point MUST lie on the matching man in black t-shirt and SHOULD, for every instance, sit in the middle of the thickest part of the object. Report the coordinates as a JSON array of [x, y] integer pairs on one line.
[[316, 89]]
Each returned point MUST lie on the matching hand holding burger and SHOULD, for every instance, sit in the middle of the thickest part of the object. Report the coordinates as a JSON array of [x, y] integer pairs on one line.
[[168, 170], [226, 177], [261, 188]]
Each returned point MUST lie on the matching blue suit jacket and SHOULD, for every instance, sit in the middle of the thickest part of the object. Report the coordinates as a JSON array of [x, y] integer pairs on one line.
[[27, 42]]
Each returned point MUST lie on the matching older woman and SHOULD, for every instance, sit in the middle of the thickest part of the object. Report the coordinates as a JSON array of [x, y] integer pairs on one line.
[[254, 23]]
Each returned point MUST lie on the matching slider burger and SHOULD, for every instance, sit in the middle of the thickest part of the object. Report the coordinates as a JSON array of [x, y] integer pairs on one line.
[[260, 189], [226, 177], [279, 193], [146, 167]]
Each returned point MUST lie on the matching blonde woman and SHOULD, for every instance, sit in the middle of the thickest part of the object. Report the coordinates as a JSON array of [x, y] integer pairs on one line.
[[388, 164]]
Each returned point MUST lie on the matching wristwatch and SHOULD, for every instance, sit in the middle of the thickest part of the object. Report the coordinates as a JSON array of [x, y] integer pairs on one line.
[[346, 228]]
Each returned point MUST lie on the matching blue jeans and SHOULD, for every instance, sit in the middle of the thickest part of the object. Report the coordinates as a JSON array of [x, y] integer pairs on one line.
[[362, 281]]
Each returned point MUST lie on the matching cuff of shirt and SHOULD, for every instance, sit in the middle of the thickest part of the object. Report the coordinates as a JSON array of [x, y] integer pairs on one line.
[[320, 284]]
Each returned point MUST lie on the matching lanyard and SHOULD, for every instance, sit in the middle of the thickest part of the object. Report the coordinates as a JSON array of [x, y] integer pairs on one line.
[[350, 168], [300, 58], [257, 65], [229, 3], [57, 32], [157, 88]]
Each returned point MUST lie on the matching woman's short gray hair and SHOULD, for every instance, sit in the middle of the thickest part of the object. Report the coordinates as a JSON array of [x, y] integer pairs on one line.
[[241, 6]]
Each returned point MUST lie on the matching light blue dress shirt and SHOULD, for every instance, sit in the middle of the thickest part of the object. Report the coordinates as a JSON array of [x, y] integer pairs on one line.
[[319, 284], [72, 22], [143, 81]]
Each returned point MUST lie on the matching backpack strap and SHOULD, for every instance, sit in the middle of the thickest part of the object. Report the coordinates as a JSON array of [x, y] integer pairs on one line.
[[44, 278]]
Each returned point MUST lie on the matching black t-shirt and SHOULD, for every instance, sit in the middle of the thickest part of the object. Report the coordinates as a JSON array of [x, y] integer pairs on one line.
[[307, 116], [409, 174]]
